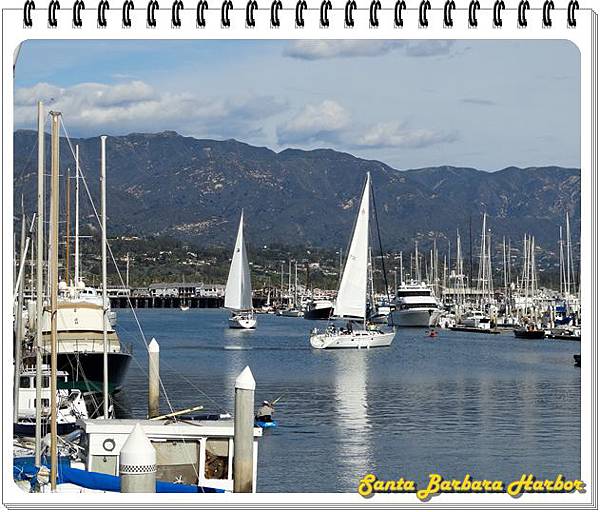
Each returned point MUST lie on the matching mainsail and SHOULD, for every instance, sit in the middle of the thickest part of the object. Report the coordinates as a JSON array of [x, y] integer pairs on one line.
[[352, 294], [238, 292]]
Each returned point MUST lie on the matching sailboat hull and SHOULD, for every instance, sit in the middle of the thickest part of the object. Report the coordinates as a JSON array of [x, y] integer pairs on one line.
[[242, 322], [357, 339]]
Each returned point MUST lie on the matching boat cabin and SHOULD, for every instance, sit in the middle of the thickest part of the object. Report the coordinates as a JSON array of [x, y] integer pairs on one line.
[[189, 452]]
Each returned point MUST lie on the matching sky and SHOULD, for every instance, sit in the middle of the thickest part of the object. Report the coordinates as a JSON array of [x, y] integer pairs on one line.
[[410, 104]]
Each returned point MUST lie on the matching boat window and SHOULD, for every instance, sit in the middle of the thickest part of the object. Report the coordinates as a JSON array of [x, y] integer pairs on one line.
[[24, 382], [46, 382], [414, 293], [217, 459], [177, 461], [45, 402]]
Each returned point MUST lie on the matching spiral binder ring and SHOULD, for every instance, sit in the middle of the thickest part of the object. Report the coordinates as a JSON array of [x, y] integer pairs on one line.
[[127, 6], [324, 13], [176, 7], [227, 5], [449, 6], [102, 6], [52, 22], [473, 8], [523, 6], [300, 6], [571, 22], [250, 6], [200, 8], [348, 13], [548, 5], [27, 8], [373, 9], [400, 5], [275, 7], [423, 8], [150, 17], [498, 8], [77, 6]]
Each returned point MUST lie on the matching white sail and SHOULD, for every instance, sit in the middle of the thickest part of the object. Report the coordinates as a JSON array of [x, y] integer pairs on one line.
[[238, 292], [352, 295]]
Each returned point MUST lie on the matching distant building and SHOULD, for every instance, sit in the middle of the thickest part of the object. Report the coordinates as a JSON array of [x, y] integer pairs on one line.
[[186, 290]]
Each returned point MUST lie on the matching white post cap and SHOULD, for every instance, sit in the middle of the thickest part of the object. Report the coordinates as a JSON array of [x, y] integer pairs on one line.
[[245, 380], [137, 452], [153, 346]]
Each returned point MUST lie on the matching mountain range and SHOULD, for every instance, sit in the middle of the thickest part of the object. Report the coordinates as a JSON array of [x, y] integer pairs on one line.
[[194, 189]]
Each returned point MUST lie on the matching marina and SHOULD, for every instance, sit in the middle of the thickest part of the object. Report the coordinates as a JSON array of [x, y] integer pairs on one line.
[[458, 400], [203, 315]]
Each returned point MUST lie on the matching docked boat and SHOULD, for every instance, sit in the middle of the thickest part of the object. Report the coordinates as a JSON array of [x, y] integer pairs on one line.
[[415, 306], [477, 320], [238, 291], [71, 405], [291, 312], [530, 333], [80, 345], [351, 302], [318, 309], [181, 449]]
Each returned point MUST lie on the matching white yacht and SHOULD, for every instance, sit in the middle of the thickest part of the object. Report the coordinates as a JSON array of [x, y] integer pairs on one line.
[[238, 291], [415, 306], [477, 320]]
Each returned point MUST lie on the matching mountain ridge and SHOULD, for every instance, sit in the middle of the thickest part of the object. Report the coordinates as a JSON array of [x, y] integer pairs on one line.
[[193, 189]]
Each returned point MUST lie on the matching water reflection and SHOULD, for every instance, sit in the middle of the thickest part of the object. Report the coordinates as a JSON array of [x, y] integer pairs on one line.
[[351, 415]]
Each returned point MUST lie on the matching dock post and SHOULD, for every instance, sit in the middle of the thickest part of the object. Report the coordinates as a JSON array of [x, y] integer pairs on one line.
[[153, 379], [137, 465], [243, 432]]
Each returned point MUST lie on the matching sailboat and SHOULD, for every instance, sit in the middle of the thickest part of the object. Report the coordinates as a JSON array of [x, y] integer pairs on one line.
[[238, 291], [351, 303]]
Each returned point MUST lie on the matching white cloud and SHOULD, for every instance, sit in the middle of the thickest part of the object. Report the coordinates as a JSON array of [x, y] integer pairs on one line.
[[91, 108], [329, 49], [394, 134], [320, 122]]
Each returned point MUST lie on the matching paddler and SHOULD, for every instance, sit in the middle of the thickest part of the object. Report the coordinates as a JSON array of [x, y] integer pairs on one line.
[[265, 412]]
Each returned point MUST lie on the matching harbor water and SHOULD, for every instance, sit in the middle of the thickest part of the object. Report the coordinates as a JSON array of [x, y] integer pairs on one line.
[[492, 406]]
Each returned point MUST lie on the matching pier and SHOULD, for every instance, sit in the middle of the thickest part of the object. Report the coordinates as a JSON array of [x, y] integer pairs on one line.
[[148, 301]]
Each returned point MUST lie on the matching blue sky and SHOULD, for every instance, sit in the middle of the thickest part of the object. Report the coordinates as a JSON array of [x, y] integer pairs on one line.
[[484, 104]]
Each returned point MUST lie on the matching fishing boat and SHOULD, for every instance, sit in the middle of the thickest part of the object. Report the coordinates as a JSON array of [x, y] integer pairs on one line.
[[238, 291], [351, 302]]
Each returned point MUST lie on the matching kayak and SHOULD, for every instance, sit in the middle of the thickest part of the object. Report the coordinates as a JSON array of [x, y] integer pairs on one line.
[[266, 424]]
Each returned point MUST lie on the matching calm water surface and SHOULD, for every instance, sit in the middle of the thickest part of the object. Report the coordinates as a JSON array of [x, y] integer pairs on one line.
[[492, 406]]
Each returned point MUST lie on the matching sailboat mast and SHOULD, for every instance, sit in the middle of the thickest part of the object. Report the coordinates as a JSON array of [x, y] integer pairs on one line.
[[76, 214], [54, 298], [401, 272], [19, 321], [104, 298], [67, 225], [39, 289]]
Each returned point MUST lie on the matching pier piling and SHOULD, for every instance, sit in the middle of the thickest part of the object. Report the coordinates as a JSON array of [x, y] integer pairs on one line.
[[153, 379], [243, 433], [137, 466]]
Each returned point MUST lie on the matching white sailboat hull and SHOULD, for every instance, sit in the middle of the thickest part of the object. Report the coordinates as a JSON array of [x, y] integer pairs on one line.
[[242, 322], [356, 339]]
